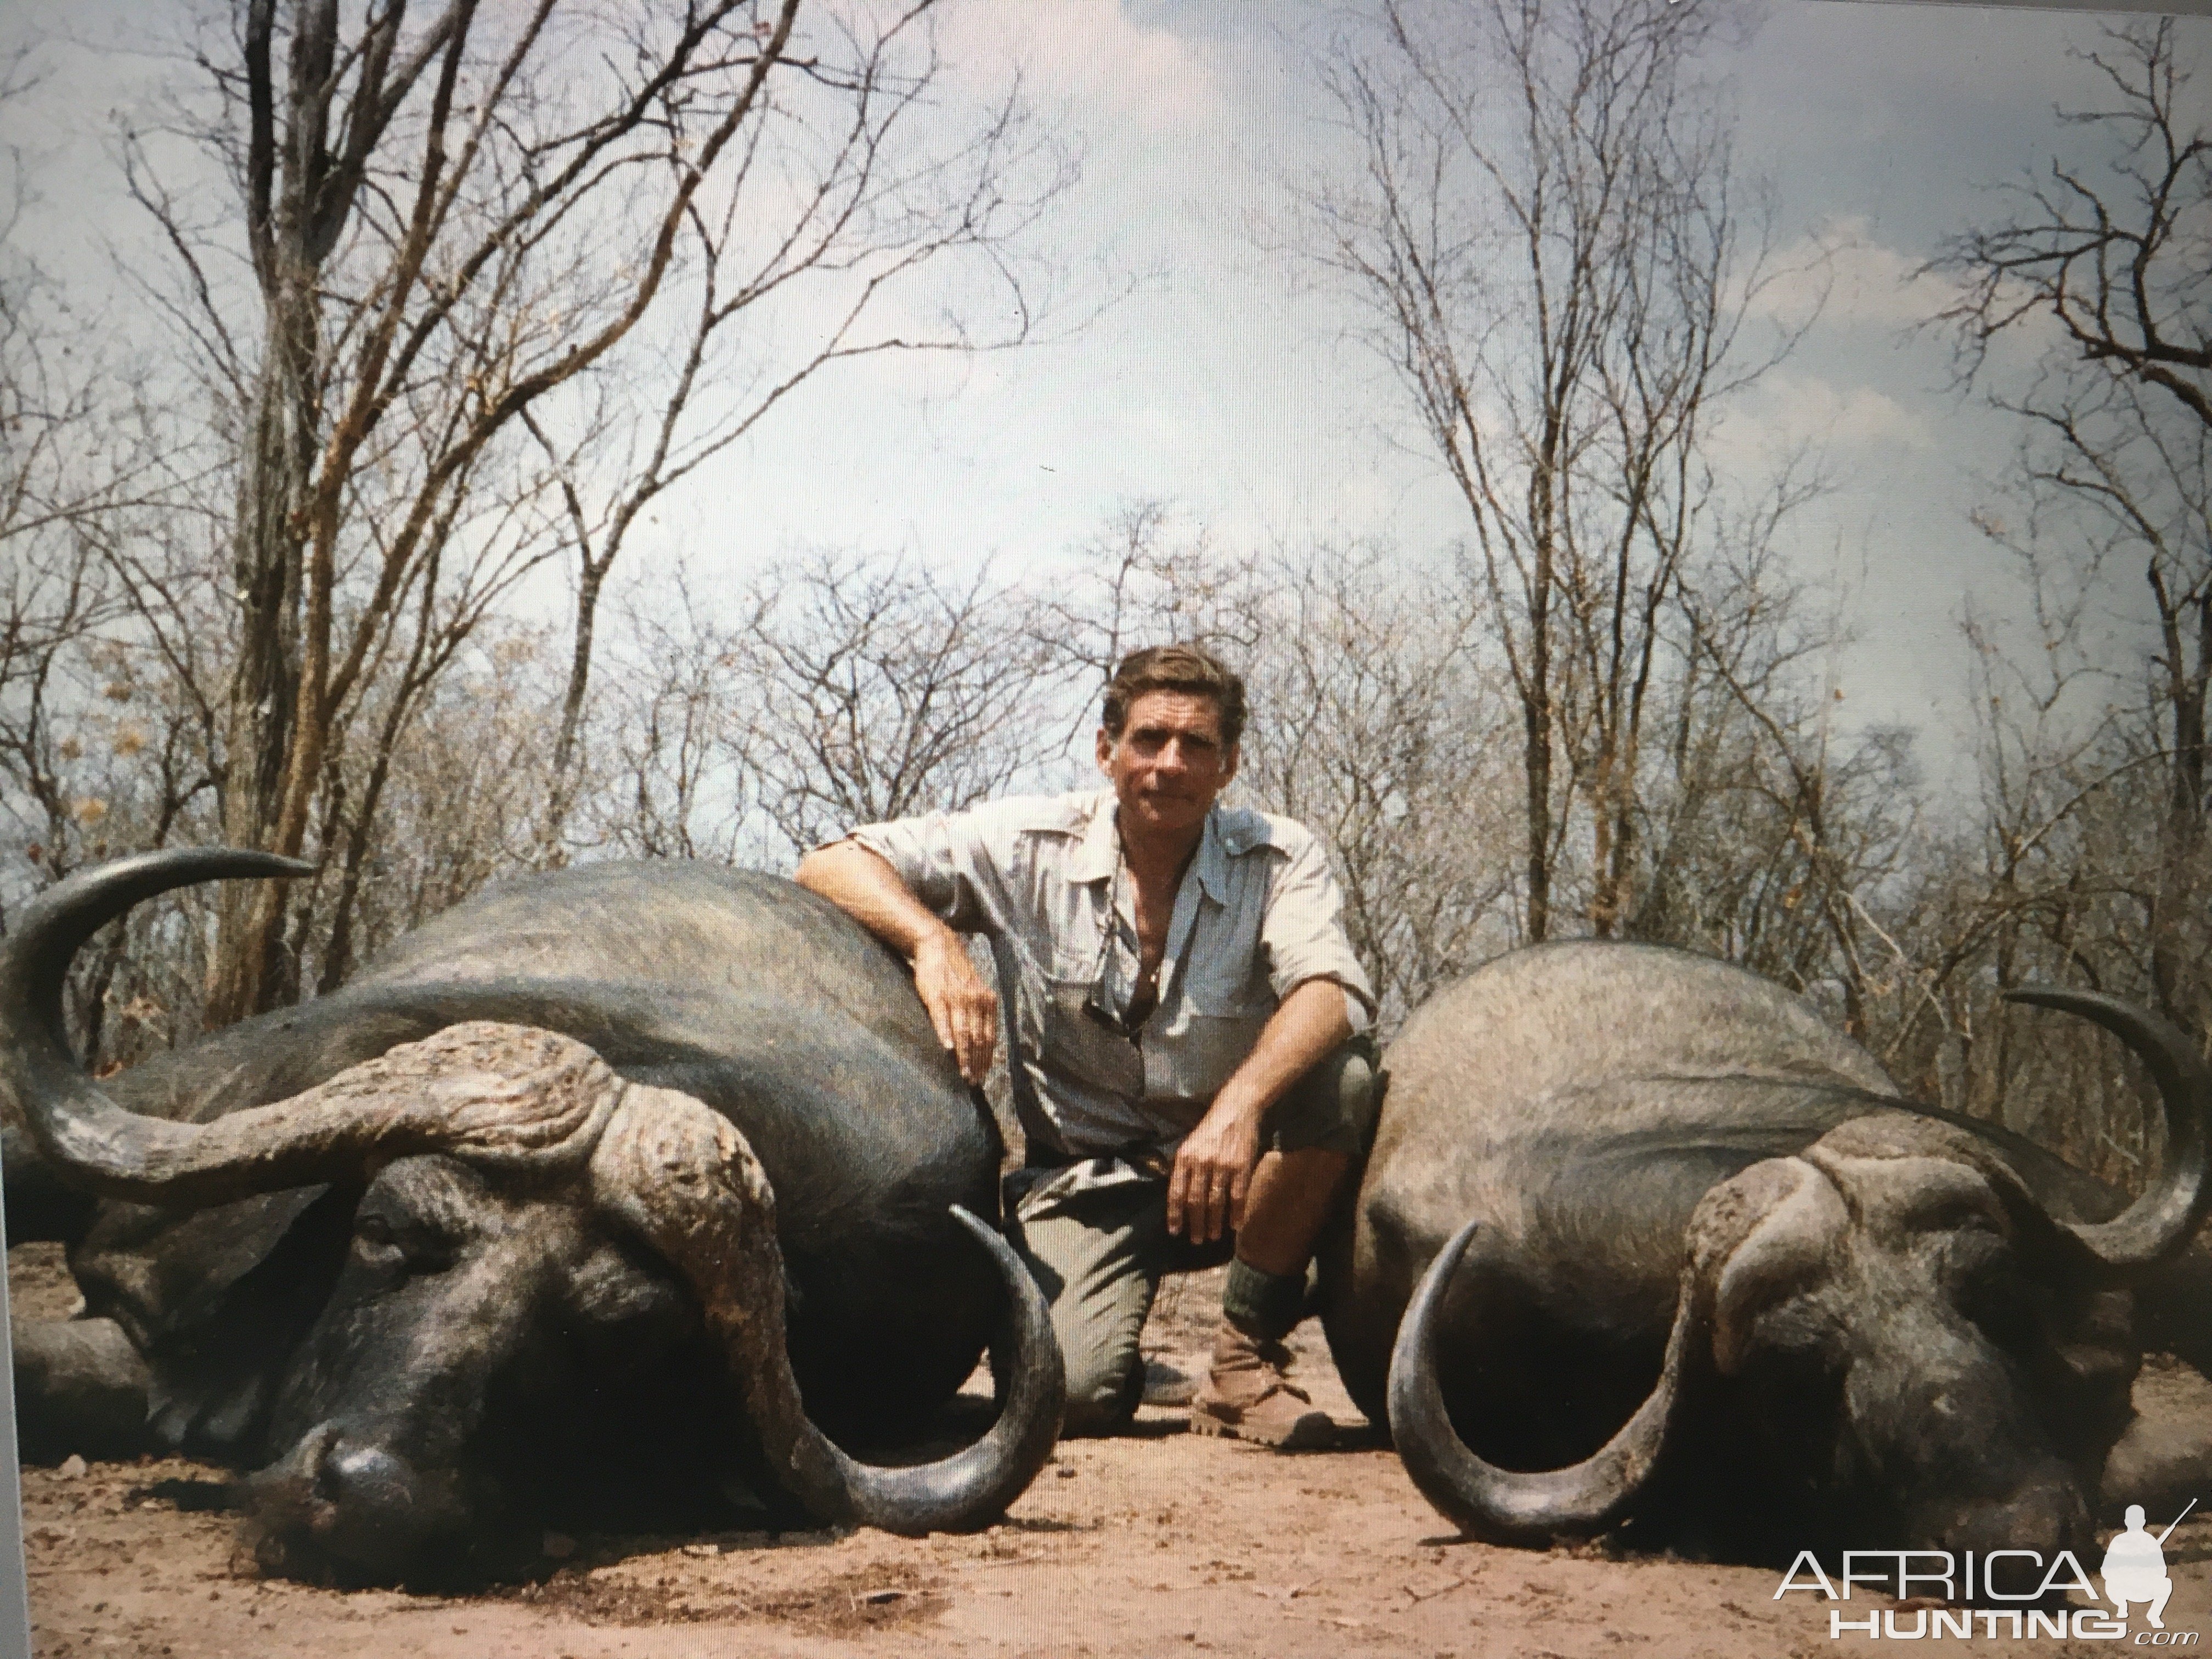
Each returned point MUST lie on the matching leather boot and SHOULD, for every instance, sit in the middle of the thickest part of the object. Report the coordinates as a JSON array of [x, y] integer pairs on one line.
[[1247, 1396]]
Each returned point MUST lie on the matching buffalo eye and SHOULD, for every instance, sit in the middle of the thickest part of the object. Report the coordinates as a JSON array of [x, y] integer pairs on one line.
[[1797, 1334], [1971, 1253], [1974, 1249], [1957, 1215], [1988, 1287], [375, 1243], [380, 1245]]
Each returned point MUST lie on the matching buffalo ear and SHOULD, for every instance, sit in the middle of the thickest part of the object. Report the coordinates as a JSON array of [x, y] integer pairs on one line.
[[217, 1299], [628, 1305], [41, 1205]]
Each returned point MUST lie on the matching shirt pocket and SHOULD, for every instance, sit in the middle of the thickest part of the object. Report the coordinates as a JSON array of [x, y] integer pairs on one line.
[[1230, 986], [1078, 1047], [1223, 1004], [1204, 1053]]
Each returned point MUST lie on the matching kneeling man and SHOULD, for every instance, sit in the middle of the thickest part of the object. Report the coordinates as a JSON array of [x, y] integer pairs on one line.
[[1185, 1022]]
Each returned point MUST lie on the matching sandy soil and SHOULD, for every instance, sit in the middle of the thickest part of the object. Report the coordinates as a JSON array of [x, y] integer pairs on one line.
[[1159, 1543]]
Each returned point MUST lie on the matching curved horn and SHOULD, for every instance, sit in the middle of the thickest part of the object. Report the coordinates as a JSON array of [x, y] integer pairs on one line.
[[682, 1177], [98, 1144], [494, 1093], [973, 1487], [2166, 1218], [1505, 1506]]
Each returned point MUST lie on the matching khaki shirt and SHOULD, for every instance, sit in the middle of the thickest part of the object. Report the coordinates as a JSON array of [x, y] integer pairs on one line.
[[1256, 915]]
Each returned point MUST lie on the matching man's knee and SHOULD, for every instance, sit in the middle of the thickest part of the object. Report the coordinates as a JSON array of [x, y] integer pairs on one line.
[[1103, 1393], [1332, 1107]]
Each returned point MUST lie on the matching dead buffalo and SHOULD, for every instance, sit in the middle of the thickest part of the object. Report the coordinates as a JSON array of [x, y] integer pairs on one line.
[[555, 1216], [1652, 1245]]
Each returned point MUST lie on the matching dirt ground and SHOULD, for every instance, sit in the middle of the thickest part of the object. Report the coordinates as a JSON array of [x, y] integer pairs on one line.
[[1159, 1543]]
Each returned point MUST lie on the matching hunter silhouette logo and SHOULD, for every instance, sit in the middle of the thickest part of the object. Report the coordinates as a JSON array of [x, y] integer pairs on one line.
[[2135, 1567], [2004, 1593]]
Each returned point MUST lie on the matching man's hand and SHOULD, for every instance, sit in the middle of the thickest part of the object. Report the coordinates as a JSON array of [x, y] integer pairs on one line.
[[964, 1010], [961, 1005], [1213, 1166], [1213, 1171]]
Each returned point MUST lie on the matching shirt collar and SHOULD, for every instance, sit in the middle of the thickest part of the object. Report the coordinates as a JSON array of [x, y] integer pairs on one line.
[[1100, 850], [1212, 864]]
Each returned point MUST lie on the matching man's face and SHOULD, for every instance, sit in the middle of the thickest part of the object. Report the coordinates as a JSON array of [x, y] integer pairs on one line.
[[1170, 761]]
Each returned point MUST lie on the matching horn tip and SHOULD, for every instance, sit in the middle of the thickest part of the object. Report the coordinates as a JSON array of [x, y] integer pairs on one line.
[[975, 1224]]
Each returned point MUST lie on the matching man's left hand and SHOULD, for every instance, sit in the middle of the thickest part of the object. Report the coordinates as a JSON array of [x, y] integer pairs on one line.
[[1213, 1168], [1213, 1172]]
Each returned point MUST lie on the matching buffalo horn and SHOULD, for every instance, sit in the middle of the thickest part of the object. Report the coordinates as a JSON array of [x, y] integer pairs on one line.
[[684, 1178], [329, 1131], [101, 1146], [2166, 1218], [1506, 1506], [973, 1487], [968, 1490]]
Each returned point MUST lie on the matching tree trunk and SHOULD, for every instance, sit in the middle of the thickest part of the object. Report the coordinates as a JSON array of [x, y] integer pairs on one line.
[[264, 693], [1536, 724], [562, 793], [2181, 838]]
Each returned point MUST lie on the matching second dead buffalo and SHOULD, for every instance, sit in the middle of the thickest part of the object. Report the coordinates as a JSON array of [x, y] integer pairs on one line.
[[1654, 1245]]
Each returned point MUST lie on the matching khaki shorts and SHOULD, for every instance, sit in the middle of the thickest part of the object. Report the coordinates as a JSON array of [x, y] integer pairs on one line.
[[1098, 1248]]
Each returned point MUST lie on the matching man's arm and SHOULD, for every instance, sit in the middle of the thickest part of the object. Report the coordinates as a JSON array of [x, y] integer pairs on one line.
[[962, 1008], [1213, 1166]]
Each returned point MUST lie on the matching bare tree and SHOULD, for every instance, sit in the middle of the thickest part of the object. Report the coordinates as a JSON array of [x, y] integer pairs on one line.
[[475, 239], [678, 723], [56, 590], [72, 464], [1549, 245], [2100, 263], [2042, 872], [94, 754], [420, 647], [1377, 726], [1144, 580], [884, 208], [468, 207], [1773, 824], [880, 690], [2111, 254], [461, 779]]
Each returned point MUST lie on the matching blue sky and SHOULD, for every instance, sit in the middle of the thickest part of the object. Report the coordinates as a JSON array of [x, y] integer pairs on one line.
[[1224, 388]]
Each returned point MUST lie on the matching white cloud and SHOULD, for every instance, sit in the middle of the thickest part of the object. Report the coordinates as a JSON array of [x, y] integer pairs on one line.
[[1090, 55], [1786, 412], [1867, 284]]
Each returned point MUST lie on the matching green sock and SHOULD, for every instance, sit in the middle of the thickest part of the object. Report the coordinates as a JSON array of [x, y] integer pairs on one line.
[[1264, 1305]]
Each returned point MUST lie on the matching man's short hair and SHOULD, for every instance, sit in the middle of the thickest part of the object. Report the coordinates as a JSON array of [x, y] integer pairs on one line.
[[1183, 668]]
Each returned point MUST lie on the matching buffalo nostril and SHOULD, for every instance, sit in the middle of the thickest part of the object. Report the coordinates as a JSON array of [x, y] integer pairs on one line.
[[351, 1509], [377, 1511], [335, 1501], [365, 1479]]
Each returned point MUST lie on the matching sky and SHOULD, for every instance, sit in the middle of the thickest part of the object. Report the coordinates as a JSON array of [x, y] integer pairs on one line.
[[1221, 384]]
